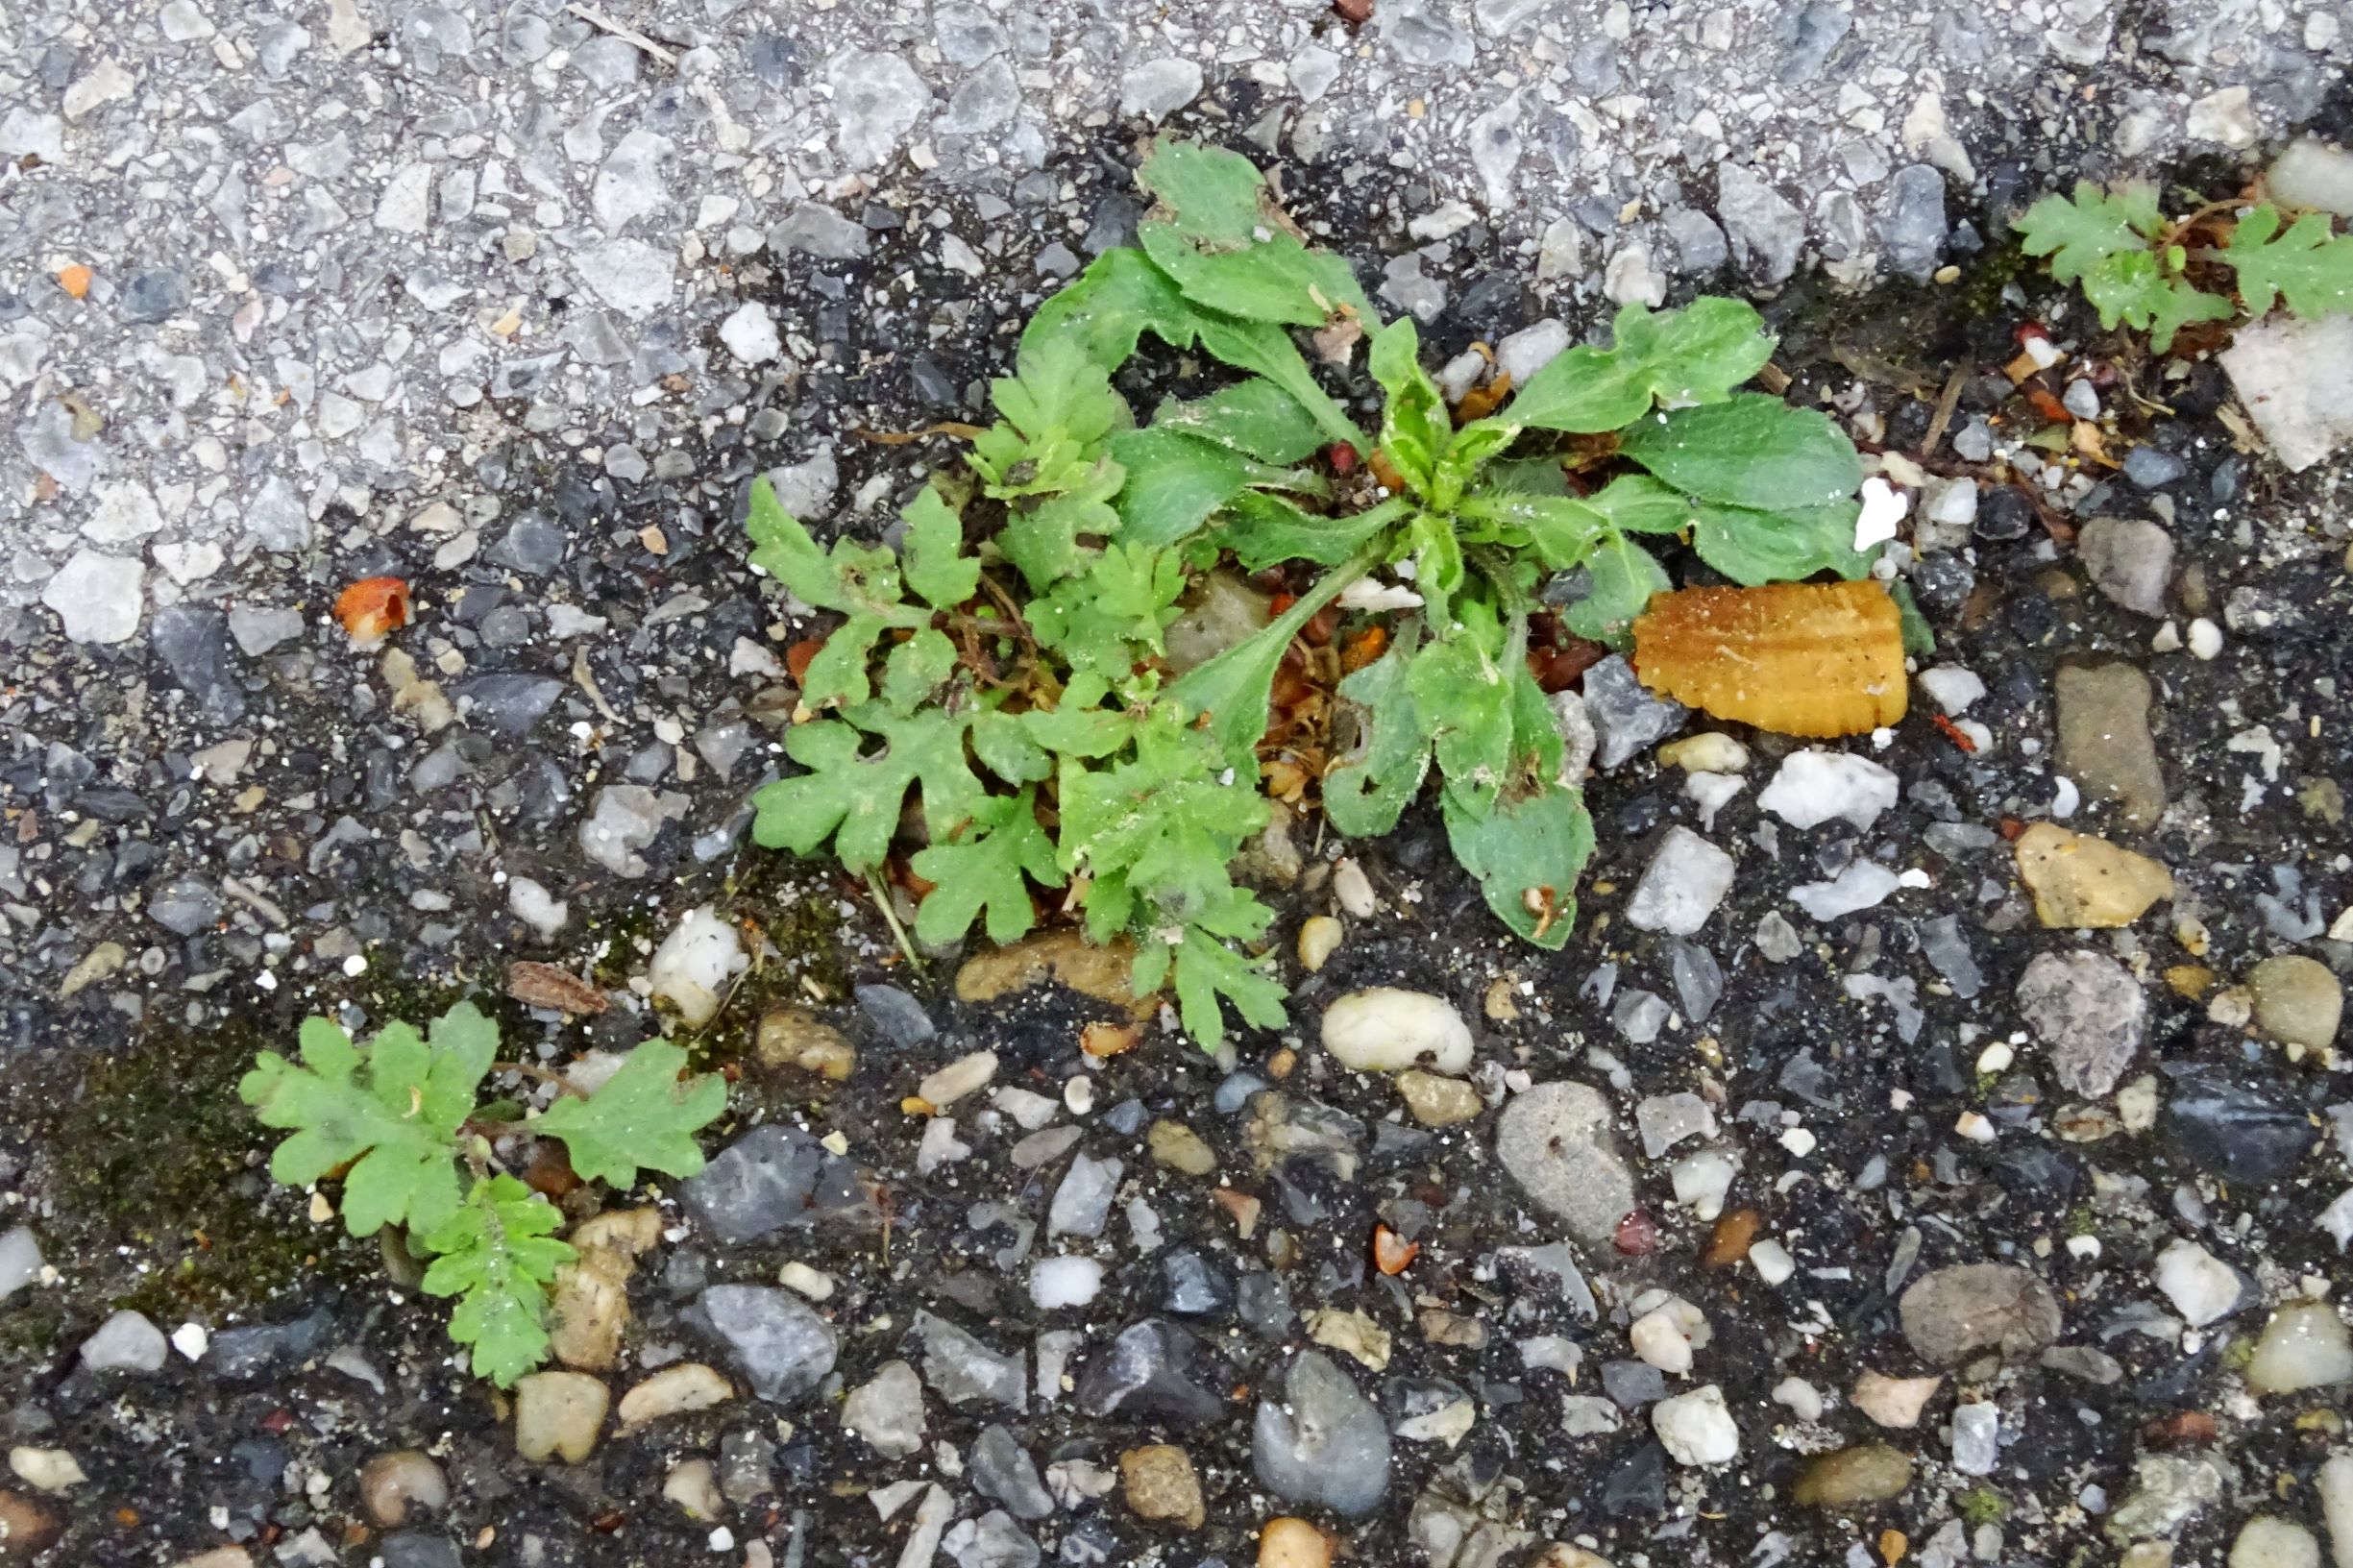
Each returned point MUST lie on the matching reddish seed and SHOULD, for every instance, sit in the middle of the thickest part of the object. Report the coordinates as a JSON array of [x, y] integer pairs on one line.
[[1341, 456], [1954, 732], [796, 658], [1637, 1233]]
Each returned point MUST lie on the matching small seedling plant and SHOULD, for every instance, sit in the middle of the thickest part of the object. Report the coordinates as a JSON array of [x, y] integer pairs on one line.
[[1004, 660], [2140, 268], [401, 1121]]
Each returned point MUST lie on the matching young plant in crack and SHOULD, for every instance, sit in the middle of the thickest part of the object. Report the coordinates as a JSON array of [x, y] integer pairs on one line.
[[1027, 693], [398, 1121], [2143, 270]]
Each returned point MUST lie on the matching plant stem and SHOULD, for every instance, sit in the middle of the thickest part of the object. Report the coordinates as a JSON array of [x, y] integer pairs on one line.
[[882, 901]]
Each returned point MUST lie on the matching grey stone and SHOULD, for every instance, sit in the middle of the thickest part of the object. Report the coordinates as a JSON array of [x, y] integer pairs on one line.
[[987, 99], [2129, 559], [779, 1343], [507, 704], [532, 546], [1955, 1312], [967, 34], [770, 1178], [1627, 719], [1555, 1140], [1766, 230], [1157, 88], [629, 185], [1003, 1472], [1154, 1370], [97, 596], [961, 1369], [259, 1349], [2090, 1011], [125, 1342], [899, 1017], [2295, 378], [1808, 34], [1082, 1203], [259, 628], [1700, 246], [185, 906], [626, 820], [1324, 1444], [814, 229], [193, 642], [1423, 35], [1912, 220], [1686, 878], [877, 98], [887, 1410], [2104, 740], [991, 1541], [149, 295], [630, 275]]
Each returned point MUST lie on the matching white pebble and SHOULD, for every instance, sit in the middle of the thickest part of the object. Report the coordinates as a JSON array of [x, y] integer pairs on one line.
[[1354, 890], [751, 333], [813, 1283], [1658, 1339], [1952, 687], [959, 1078], [1385, 1029], [691, 967], [1065, 1282], [2201, 1286], [1813, 786], [1771, 1260], [1802, 1398], [1696, 1428], [2205, 638]]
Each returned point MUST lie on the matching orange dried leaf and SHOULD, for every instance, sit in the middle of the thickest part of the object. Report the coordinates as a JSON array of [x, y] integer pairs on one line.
[[1795, 658], [75, 279], [373, 606]]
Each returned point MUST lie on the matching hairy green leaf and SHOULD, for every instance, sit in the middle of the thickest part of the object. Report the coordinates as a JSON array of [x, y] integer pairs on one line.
[[391, 1114], [854, 799], [1103, 310], [2309, 266], [1264, 530], [1416, 429], [1527, 851], [498, 1252], [1693, 356], [2134, 289], [1161, 825], [1116, 614], [645, 1115], [2080, 231], [1177, 481], [1267, 350], [1750, 451], [1624, 576], [1217, 232], [1253, 417], [1752, 546], [931, 551], [1207, 970], [1234, 688], [1370, 785], [984, 869], [1460, 685]]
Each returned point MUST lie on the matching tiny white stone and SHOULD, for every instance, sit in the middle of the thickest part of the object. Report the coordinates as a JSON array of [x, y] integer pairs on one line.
[[1952, 687], [1658, 1339], [2201, 1286], [814, 1282], [751, 333], [1883, 508], [1798, 1142], [1974, 1126], [1696, 1428], [190, 1340], [1815, 785], [1354, 889], [2205, 639], [959, 1078], [694, 963], [1803, 1399], [1065, 1282], [536, 907], [1771, 1260]]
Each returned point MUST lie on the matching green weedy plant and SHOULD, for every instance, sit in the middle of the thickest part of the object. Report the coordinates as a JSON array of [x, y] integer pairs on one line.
[[1006, 661], [400, 1121], [2132, 264]]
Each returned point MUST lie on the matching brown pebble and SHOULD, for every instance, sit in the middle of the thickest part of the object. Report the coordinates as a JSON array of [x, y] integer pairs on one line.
[[1293, 1543], [1728, 1242], [1161, 1486]]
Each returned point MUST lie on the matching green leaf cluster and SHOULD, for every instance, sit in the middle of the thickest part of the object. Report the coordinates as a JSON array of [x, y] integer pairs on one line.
[[1045, 741], [2118, 246], [399, 1118]]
